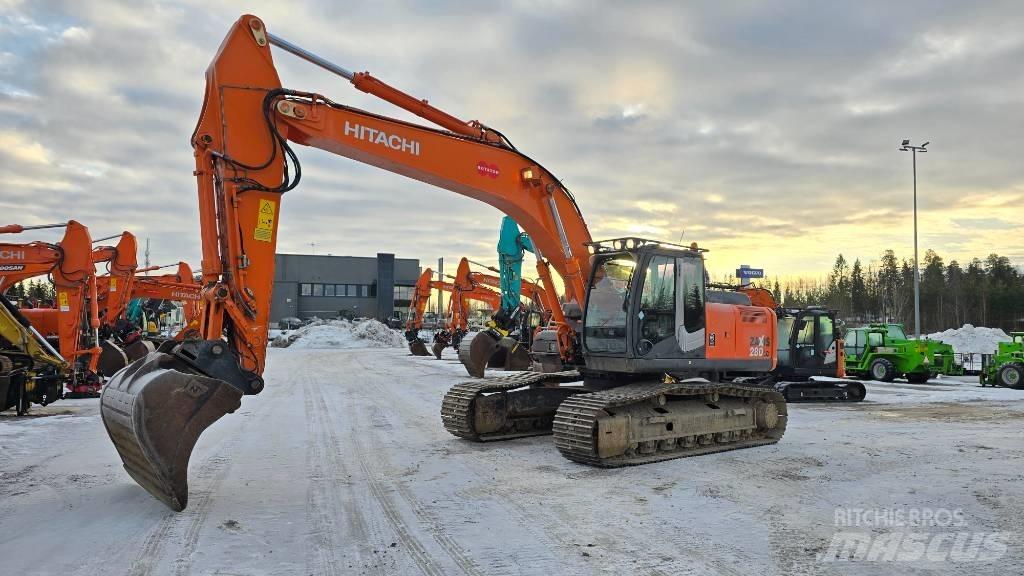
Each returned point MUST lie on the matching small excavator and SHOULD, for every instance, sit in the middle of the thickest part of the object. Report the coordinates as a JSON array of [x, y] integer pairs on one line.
[[635, 323], [808, 347], [74, 321]]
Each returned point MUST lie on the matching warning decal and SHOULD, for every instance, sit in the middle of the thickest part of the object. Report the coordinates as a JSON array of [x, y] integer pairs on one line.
[[265, 221], [62, 300], [113, 284]]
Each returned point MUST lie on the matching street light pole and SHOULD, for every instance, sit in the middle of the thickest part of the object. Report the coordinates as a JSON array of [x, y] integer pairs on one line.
[[906, 147]]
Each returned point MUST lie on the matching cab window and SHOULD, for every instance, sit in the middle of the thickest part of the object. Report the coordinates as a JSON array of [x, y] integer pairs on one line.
[[658, 300], [604, 324], [895, 332]]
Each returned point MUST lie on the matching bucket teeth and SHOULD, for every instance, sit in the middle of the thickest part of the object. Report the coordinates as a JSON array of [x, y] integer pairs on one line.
[[154, 411]]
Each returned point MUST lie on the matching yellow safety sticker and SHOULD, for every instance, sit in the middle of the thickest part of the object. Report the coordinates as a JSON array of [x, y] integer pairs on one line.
[[265, 221], [62, 299], [113, 284]]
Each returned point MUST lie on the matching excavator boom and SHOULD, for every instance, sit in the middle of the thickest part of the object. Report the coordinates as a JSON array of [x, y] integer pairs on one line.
[[71, 265]]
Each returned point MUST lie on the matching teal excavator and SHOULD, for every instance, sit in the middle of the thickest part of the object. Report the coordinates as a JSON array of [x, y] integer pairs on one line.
[[479, 348]]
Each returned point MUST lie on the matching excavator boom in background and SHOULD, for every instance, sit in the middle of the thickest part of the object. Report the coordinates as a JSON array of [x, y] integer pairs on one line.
[[640, 340], [464, 290], [123, 340], [425, 284], [74, 318]]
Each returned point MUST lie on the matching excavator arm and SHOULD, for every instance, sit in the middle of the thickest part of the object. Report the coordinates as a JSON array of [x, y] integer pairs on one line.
[[114, 288], [75, 316], [155, 410]]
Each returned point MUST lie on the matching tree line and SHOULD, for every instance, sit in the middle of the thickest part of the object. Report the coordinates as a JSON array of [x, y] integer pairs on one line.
[[40, 292], [985, 292]]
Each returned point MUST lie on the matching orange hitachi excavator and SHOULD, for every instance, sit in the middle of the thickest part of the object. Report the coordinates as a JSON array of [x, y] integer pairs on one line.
[[464, 291], [113, 291], [649, 348], [179, 286], [124, 342], [74, 320], [417, 308]]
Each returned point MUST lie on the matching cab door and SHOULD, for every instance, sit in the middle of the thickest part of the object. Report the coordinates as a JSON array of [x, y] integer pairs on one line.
[[690, 314]]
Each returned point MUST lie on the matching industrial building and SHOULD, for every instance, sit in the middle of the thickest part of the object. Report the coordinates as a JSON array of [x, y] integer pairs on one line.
[[326, 286]]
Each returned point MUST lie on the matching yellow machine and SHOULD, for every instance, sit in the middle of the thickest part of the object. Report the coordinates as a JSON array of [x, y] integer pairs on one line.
[[31, 371]]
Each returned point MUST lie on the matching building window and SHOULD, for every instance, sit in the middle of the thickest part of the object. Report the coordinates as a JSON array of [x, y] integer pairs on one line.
[[351, 290], [305, 289], [403, 292], [318, 289], [328, 289], [364, 291]]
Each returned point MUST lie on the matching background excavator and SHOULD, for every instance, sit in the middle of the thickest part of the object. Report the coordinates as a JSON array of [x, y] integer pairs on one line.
[[464, 290], [113, 291], [808, 346], [417, 308], [645, 333], [178, 286], [514, 323], [74, 320], [126, 339], [476, 353]]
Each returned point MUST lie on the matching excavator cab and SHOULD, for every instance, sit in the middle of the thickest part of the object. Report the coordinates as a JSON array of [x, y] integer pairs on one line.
[[647, 312]]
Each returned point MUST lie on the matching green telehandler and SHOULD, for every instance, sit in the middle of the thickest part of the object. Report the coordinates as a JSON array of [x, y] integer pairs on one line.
[[1006, 367], [883, 352]]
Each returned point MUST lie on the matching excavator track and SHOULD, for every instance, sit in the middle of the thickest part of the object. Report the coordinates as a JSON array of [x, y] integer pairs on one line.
[[652, 421], [474, 409]]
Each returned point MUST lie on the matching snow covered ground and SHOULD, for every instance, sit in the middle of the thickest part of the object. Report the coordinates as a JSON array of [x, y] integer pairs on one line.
[[341, 466]]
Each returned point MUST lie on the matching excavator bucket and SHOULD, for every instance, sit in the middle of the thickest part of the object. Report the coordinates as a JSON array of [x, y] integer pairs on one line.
[[154, 411], [437, 348], [138, 349], [517, 357], [418, 347], [112, 358], [475, 350]]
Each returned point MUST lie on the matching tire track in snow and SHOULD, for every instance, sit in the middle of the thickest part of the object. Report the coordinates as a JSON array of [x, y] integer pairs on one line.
[[324, 498], [427, 563], [550, 518], [209, 479], [202, 487], [420, 421]]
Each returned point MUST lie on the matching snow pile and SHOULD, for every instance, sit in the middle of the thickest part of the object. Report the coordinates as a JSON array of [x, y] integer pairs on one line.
[[971, 339], [341, 334]]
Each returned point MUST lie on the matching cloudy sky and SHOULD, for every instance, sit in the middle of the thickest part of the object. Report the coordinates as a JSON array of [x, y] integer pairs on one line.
[[766, 131]]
